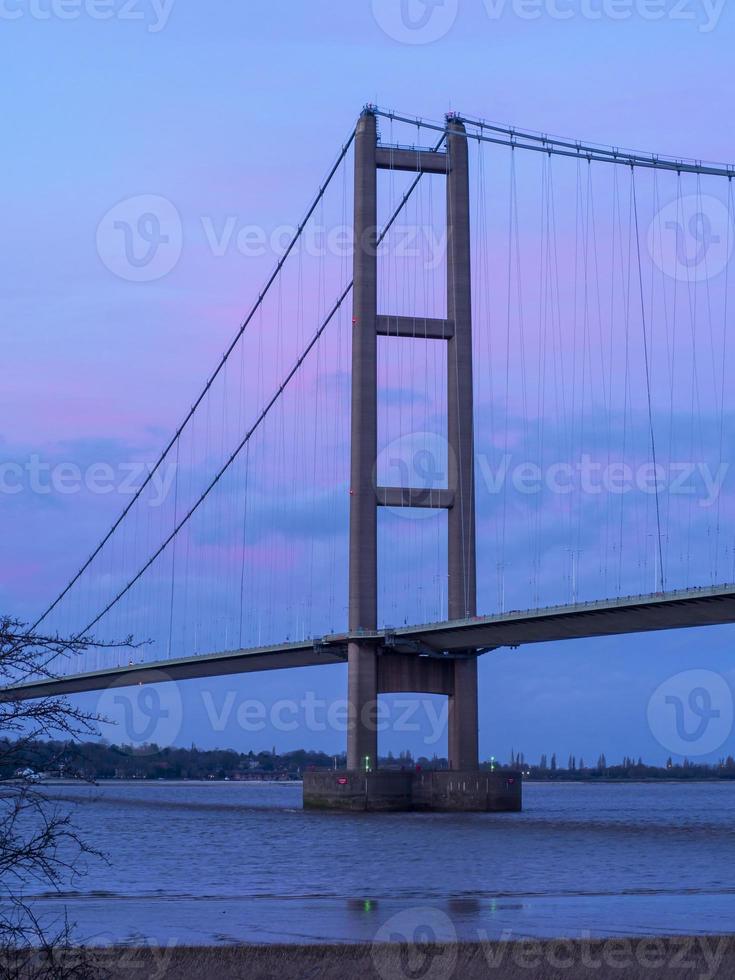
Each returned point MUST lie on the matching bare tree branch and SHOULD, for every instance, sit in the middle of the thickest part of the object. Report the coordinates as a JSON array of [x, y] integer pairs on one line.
[[40, 848]]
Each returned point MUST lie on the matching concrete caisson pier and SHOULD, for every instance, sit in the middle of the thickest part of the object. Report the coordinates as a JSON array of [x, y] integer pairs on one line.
[[376, 667], [388, 790], [358, 791], [495, 792]]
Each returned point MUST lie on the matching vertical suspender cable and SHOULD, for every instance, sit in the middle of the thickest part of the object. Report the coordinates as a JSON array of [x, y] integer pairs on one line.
[[662, 578]]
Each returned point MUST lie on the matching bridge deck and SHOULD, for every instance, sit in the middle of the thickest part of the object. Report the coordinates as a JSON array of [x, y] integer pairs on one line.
[[635, 614]]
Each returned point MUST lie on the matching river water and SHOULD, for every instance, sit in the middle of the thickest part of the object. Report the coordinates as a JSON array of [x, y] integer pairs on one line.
[[200, 863]]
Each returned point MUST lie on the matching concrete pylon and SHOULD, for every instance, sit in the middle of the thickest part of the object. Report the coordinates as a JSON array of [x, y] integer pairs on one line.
[[370, 670], [461, 590], [362, 684]]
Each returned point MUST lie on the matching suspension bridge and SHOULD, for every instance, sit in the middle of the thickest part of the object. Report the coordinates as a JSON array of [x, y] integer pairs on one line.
[[475, 309]]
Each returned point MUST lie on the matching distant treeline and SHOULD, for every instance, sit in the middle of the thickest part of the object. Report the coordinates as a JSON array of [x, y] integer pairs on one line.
[[100, 760], [549, 768]]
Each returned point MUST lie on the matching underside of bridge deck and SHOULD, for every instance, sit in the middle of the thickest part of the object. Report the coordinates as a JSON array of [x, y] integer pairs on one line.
[[441, 642]]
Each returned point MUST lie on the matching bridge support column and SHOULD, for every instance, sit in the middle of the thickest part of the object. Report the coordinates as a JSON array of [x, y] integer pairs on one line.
[[388, 668], [459, 498], [461, 589], [362, 736]]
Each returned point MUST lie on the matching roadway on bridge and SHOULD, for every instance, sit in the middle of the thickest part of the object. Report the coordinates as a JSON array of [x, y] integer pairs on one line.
[[635, 614]]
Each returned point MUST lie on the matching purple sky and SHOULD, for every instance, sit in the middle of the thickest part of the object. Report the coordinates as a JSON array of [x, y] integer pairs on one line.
[[234, 115]]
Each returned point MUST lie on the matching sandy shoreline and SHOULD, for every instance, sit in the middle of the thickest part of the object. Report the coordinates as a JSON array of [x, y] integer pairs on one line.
[[683, 957]]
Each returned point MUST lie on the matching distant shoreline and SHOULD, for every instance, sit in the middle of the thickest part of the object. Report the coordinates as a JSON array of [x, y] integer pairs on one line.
[[178, 781], [150, 762]]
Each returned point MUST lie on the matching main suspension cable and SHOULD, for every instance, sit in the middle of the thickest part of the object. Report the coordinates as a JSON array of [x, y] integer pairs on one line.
[[510, 137], [256, 424], [187, 418]]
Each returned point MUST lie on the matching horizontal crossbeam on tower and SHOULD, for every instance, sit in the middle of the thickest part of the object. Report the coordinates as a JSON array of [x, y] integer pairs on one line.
[[414, 497], [419, 161], [416, 327], [405, 673]]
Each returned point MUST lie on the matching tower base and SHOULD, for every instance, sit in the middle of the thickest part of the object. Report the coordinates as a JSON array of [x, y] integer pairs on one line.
[[390, 791]]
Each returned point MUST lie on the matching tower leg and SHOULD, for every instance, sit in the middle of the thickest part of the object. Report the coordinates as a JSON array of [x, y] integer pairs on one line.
[[362, 699], [362, 737], [463, 741]]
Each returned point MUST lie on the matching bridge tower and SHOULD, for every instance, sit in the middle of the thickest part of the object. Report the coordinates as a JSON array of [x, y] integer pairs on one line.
[[373, 670]]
